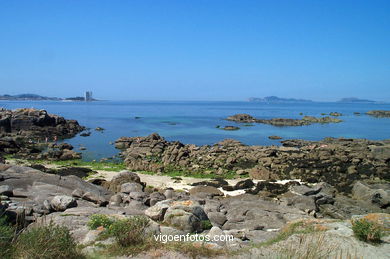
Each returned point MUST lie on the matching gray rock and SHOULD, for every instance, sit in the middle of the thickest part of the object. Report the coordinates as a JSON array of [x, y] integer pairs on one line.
[[183, 220], [156, 197], [93, 197], [158, 211], [169, 193], [63, 202], [217, 218], [115, 200], [122, 177], [138, 196], [6, 190], [252, 212], [131, 187], [376, 194], [205, 191], [77, 193], [305, 190]]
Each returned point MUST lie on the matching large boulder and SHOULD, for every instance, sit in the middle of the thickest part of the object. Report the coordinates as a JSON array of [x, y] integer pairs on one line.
[[122, 177], [63, 202], [187, 216], [205, 191], [131, 187], [378, 194], [157, 211], [33, 190]]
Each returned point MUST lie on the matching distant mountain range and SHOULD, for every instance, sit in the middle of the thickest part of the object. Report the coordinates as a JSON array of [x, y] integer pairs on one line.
[[275, 99], [36, 97], [355, 100]]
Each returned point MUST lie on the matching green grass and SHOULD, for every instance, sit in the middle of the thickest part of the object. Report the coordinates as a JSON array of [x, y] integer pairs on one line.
[[206, 224], [294, 228], [94, 165], [117, 166], [177, 173], [46, 242], [40, 242], [99, 220], [7, 233]]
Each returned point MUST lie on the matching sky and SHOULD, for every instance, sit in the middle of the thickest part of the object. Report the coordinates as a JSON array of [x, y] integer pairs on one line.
[[196, 49]]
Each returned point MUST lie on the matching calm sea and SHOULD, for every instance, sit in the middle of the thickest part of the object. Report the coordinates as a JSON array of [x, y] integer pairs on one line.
[[195, 122]]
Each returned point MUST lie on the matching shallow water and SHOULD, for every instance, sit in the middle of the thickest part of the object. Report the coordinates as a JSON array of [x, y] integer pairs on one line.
[[195, 122]]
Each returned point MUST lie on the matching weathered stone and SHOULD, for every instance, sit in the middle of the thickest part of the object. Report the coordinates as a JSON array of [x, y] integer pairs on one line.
[[217, 218], [374, 193], [6, 190], [116, 200], [122, 177], [205, 191], [131, 187], [62, 202], [157, 211]]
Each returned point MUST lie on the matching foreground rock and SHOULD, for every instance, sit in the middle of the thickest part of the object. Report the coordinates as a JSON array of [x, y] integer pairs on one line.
[[38, 193]]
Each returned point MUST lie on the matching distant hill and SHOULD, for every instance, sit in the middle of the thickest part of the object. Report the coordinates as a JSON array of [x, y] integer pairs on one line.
[[275, 99], [355, 100], [36, 97], [27, 97]]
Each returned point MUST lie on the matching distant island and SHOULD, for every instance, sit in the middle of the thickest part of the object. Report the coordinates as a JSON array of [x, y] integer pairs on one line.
[[355, 100], [27, 97], [275, 99], [36, 97]]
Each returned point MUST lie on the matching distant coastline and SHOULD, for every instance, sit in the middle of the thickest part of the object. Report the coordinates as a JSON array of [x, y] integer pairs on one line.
[[36, 97], [276, 99]]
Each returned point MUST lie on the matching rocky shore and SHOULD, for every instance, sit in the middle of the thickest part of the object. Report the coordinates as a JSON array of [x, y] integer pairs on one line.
[[280, 122], [338, 162], [258, 216], [32, 134]]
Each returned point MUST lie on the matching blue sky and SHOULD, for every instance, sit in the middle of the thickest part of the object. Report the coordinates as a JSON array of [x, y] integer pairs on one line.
[[196, 49]]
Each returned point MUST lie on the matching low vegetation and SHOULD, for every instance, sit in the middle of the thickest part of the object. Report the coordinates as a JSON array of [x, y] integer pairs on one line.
[[100, 220], [40, 242], [312, 246], [367, 231], [7, 233], [130, 232], [132, 238]]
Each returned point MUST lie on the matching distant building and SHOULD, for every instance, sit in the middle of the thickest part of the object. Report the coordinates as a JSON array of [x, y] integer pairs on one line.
[[88, 96]]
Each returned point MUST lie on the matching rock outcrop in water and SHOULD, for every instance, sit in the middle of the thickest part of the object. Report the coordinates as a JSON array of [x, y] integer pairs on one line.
[[25, 131], [306, 120], [33, 123], [339, 162], [379, 113]]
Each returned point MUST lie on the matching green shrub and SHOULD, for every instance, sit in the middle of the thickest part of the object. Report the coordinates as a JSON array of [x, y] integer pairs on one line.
[[7, 234], [206, 224], [99, 220], [130, 232], [367, 231], [46, 242]]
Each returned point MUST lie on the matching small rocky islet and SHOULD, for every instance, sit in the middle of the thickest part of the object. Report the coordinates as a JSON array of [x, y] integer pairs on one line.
[[281, 122], [323, 184]]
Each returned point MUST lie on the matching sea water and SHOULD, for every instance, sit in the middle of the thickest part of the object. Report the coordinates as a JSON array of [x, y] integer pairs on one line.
[[195, 122]]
